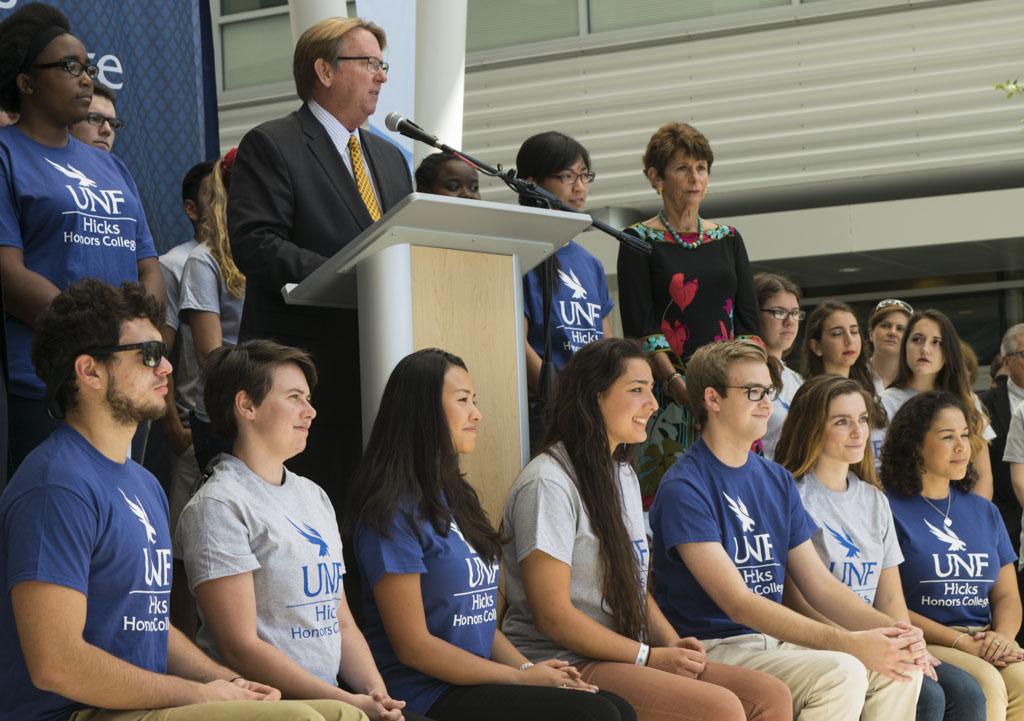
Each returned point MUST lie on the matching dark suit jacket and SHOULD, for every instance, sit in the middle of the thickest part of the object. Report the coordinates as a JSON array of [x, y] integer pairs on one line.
[[292, 204], [997, 405]]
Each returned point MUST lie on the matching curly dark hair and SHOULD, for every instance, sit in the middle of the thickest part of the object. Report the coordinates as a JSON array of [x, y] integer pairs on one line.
[[20, 34], [88, 314], [902, 462]]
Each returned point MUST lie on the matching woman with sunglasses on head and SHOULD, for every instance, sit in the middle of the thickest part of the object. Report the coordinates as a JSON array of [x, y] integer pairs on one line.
[[577, 557], [67, 210], [428, 558], [931, 359], [212, 294], [779, 300], [958, 573], [824, 444], [695, 288], [886, 325], [580, 302]]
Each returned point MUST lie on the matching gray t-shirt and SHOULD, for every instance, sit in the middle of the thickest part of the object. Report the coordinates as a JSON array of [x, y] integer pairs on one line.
[[202, 289], [287, 537], [791, 382], [894, 398], [856, 537], [545, 512], [186, 367]]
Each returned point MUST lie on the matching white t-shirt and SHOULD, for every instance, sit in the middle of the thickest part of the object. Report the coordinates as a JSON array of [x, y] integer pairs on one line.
[[791, 382]]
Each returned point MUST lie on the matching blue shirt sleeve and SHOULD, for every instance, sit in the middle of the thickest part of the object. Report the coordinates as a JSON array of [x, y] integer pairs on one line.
[[54, 531], [399, 552], [684, 515], [10, 226], [602, 284]]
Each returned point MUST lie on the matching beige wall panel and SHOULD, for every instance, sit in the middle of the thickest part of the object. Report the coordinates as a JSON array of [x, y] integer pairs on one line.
[[463, 302]]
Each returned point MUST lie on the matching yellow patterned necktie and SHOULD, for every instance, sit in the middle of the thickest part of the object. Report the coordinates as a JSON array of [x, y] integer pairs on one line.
[[362, 178]]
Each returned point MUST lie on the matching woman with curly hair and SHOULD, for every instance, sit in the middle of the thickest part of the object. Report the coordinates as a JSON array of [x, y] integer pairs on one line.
[[958, 571], [824, 444], [67, 210], [577, 559], [212, 294], [932, 359]]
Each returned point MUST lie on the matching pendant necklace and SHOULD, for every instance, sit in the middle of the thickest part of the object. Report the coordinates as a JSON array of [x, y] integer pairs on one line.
[[675, 234], [946, 520]]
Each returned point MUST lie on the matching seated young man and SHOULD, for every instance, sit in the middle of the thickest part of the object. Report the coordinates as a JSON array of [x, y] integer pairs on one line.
[[85, 550], [729, 525], [261, 545]]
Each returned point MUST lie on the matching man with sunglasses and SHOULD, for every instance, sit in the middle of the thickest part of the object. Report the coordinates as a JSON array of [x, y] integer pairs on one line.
[[86, 549], [729, 531], [101, 124], [302, 187]]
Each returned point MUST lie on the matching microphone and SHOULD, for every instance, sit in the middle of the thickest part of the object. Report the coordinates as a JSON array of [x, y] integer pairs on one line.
[[398, 124]]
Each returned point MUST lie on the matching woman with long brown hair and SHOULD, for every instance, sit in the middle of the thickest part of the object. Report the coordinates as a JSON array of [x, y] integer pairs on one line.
[[932, 359], [577, 557]]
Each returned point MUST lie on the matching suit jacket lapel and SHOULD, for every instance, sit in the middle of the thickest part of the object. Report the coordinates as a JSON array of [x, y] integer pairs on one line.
[[330, 161]]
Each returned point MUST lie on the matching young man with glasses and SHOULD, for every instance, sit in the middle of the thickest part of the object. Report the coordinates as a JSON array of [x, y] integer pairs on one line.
[[302, 187], [86, 548], [730, 531], [101, 124]]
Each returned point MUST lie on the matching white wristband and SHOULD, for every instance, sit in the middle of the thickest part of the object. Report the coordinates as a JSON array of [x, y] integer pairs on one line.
[[525, 666], [642, 654]]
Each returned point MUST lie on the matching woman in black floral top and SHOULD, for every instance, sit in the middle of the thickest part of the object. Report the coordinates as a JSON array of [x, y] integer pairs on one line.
[[695, 288]]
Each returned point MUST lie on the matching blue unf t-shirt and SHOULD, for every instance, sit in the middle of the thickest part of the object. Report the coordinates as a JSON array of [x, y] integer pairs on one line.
[[949, 570], [74, 518], [75, 213], [459, 592], [755, 513], [579, 304]]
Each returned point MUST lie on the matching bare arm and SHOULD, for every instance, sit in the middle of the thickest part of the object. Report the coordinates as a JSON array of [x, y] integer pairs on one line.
[[983, 467], [792, 598], [606, 326], [152, 279], [177, 434], [1017, 480], [26, 293], [50, 621], [206, 332], [662, 368]]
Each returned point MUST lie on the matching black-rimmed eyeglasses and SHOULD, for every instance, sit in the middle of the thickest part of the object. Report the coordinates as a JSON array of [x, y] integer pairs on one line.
[[98, 119], [569, 178], [74, 68], [758, 393], [782, 313], [373, 65]]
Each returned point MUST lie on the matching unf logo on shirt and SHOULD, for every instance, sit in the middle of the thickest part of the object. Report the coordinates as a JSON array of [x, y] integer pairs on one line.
[[481, 573], [327, 577], [857, 574], [109, 201], [954, 563]]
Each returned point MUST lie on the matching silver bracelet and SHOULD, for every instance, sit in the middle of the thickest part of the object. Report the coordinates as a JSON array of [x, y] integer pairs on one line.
[[642, 654], [524, 666]]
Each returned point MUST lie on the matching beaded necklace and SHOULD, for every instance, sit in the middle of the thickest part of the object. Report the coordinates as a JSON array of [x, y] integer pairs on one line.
[[675, 234]]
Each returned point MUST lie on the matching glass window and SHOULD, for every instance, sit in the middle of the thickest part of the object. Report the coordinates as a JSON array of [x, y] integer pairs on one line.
[[502, 23], [617, 15], [230, 7], [256, 52]]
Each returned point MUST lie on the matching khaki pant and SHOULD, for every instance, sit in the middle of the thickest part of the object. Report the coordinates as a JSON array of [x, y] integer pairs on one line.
[[234, 711], [1003, 687], [826, 685]]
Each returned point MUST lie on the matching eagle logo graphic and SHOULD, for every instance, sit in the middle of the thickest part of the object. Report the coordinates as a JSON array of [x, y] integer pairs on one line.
[[948, 536], [740, 509], [140, 513], [74, 173], [578, 291], [312, 535], [845, 541]]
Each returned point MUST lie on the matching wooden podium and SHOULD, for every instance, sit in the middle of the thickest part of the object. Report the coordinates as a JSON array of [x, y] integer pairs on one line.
[[445, 272]]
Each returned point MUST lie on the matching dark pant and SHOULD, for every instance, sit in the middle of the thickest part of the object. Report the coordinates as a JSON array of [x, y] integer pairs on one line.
[[956, 697], [29, 425], [496, 702]]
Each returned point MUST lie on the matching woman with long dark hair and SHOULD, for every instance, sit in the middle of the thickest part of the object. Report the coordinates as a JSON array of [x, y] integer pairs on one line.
[[779, 300], [577, 561], [824, 444], [932, 359], [958, 572], [428, 556]]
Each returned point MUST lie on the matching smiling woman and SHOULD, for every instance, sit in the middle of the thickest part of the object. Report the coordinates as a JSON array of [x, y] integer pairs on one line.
[[67, 210]]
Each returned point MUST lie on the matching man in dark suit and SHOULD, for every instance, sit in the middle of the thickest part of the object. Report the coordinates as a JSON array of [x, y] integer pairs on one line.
[[303, 187]]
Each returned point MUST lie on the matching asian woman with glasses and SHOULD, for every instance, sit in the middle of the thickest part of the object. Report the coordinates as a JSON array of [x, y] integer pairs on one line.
[[67, 210]]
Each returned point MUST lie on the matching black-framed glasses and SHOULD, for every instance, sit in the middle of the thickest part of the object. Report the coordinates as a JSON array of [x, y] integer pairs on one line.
[[782, 313], [98, 119], [373, 65], [895, 303], [152, 351], [1015, 354], [757, 393], [72, 67], [569, 178]]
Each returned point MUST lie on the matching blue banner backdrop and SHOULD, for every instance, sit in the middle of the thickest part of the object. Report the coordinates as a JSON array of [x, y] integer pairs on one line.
[[152, 55]]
